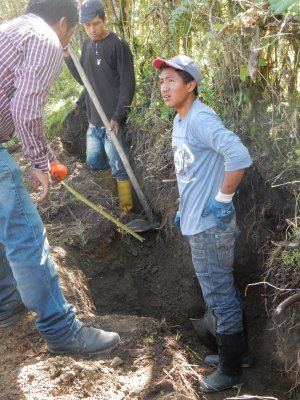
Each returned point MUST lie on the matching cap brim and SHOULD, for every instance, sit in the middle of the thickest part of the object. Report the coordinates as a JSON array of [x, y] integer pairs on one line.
[[158, 62]]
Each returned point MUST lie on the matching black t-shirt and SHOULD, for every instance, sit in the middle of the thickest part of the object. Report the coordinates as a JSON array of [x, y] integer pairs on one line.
[[108, 65]]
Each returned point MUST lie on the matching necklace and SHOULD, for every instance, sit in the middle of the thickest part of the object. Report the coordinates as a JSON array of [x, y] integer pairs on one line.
[[97, 54], [98, 59]]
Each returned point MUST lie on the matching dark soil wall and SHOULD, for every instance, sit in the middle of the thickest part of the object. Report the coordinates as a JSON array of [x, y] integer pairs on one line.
[[157, 278], [74, 133]]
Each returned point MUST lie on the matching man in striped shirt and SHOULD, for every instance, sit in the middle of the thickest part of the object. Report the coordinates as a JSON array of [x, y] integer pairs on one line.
[[31, 57]]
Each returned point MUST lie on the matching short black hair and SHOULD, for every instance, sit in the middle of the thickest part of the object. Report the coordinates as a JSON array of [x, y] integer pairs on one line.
[[51, 11], [100, 14], [185, 76]]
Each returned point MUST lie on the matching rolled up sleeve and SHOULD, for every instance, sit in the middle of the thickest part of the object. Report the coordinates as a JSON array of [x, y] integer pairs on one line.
[[41, 64]]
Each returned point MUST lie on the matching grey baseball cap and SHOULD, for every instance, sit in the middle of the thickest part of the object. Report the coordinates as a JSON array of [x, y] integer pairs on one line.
[[181, 62], [89, 10]]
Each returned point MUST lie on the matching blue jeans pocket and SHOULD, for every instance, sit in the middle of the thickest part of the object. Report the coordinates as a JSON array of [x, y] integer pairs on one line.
[[213, 255], [225, 248], [198, 246]]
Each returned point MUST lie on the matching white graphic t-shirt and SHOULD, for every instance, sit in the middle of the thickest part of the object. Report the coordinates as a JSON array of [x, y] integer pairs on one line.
[[203, 149]]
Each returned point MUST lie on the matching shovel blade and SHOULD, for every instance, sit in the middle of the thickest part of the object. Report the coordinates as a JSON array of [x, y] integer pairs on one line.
[[205, 328], [141, 225]]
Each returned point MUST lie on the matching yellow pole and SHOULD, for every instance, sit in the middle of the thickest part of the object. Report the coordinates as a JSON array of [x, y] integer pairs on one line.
[[102, 212]]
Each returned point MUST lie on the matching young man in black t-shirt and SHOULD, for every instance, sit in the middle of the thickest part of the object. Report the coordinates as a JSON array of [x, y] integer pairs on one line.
[[108, 64]]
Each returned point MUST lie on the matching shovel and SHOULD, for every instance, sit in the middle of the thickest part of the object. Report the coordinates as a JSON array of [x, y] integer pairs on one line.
[[205, 328], [137, 225]]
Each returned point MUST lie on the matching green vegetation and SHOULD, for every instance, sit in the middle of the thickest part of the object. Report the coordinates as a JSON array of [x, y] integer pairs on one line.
[[281, 6], [249, 54], [291, 258], [60, 102]]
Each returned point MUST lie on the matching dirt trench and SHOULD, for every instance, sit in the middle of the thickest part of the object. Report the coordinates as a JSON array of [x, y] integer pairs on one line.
[[156, 278], [145, 291]]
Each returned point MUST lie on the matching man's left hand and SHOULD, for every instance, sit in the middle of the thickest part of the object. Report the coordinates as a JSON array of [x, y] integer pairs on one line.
[[223, 212]]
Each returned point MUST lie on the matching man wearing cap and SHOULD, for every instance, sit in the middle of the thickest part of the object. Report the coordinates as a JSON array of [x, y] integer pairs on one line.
[[209, 163], [108, 64]]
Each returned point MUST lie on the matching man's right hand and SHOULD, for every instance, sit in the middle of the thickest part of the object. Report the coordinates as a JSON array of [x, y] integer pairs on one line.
[[223, 212], [66, 53], [41, 178], [115, 127]]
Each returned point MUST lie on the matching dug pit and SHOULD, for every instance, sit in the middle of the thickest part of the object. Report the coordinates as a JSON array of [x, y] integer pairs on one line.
[[146, 291], [156, 278]]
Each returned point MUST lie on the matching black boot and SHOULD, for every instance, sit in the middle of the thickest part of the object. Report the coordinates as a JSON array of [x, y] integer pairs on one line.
[[247, 360], [229, 371]]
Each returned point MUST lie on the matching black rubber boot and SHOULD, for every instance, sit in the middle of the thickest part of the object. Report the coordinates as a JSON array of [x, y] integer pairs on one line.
[[247, 359], [229, 371]]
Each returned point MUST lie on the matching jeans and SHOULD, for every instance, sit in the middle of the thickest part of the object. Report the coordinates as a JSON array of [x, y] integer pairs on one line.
[[101, 153], [213, 256], [26, 273]]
